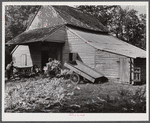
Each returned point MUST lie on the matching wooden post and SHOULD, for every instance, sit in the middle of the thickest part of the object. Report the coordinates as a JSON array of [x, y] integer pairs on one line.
[[131, 71]]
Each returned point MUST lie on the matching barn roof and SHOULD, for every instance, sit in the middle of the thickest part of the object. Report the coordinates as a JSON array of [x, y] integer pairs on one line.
[[46, 20], [78, 18], [57, 15], [110, 43], [37, 35], [99, 41]]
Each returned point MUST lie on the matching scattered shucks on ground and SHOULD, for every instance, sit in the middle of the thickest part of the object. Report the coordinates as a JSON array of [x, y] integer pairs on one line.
[[38, 94], [61, 95]]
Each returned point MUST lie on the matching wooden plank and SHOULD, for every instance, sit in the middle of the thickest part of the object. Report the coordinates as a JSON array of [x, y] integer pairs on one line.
[[80, 47], [107, 54], [86, 69], [87, 60], [79, 72], [131, 71], [107, 63], [124, 71], [80, 50], [104, 62], [76, 45], [104, 58], [77, 42]]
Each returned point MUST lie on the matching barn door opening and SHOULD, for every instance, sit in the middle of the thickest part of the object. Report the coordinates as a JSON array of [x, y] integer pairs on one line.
[[45, 57], [55, 51], [50, 50]]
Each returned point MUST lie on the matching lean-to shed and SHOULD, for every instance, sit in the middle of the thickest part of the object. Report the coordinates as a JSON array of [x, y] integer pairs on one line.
[[66, 34]]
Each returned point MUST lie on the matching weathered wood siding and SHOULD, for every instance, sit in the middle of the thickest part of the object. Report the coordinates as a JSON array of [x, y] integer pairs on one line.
[[141, 62], [19, 52], [46, 17], [58, 36], [35, 51], [74, 44], [113, 66], [124, 70]]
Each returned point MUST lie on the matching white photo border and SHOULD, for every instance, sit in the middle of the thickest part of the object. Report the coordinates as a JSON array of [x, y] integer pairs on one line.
[[78, 116]]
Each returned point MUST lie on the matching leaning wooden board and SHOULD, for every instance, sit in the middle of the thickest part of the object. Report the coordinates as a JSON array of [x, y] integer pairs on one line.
[[83, 70], [83, 67]]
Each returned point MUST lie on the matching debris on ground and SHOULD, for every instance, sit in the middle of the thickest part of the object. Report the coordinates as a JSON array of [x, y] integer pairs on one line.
[[40, 94]]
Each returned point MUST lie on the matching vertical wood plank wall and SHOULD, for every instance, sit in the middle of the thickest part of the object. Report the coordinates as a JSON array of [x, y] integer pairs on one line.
[[35, 51], [21, 49], [124, 72], [113, 66], [76, 45], [46, 17]]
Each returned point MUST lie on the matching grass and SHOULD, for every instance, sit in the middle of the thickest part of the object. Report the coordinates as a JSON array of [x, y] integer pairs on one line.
[[109, 97], [60, 95]]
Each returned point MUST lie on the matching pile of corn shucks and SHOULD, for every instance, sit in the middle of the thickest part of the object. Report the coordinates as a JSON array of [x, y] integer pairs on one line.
[[38, 95]]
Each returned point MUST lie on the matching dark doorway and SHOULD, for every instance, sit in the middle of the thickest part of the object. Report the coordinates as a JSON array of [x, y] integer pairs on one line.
[[53, 50], [45, 57], [50, 50]]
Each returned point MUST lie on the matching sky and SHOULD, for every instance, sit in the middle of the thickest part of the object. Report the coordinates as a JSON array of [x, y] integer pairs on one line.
[[141, 9]]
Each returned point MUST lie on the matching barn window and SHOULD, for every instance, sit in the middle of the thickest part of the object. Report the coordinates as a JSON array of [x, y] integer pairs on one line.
[[137, 74], [24, 59], [72, 56]]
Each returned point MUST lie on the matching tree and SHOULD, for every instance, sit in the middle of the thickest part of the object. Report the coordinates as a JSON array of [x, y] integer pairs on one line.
[[124, 23], [103, 12], [16, 21], [142, 28]]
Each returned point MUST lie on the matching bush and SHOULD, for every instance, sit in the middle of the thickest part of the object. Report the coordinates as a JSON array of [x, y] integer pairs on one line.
[[53, 68]]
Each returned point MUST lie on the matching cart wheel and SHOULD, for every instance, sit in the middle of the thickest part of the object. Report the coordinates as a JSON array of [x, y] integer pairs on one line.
[[75, 78]]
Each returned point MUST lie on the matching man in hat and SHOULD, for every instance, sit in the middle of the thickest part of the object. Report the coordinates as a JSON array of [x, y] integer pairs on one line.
[[9, 70]]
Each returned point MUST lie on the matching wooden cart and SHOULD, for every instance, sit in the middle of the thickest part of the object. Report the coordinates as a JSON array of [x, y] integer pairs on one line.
[[81, 70], [23, 71]]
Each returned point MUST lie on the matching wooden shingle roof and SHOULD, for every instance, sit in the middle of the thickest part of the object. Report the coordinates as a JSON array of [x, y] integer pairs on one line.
[[110, 44], [58, 15], [49, 18], [78, 18], [37, 35]]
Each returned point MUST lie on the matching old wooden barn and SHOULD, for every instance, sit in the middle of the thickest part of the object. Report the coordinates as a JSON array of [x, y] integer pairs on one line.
[[66, 34]]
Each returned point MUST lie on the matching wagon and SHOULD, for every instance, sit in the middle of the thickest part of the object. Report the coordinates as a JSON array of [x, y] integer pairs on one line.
[[25, 71], [80, 70], [22, 71]]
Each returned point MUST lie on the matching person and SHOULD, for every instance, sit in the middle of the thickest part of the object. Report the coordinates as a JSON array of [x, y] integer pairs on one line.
[[9, 70], [50, 71], [35, 70]]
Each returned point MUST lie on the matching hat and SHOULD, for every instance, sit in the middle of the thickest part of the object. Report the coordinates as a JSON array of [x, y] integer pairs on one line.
[[50, 59]]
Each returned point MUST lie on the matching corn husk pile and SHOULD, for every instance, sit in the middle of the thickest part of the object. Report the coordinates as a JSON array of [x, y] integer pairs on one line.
[[38, 95]]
